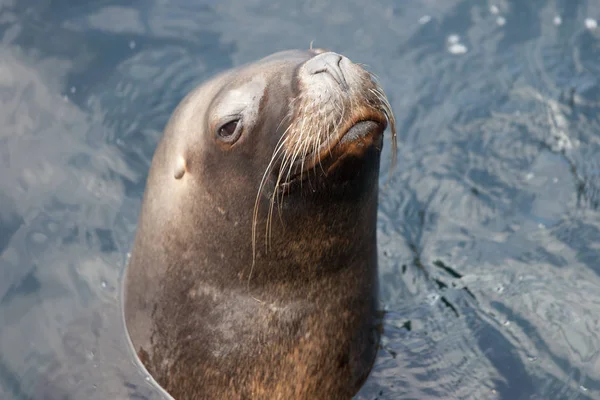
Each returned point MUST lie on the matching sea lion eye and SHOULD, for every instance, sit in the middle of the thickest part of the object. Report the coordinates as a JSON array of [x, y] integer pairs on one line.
[[230, 131]]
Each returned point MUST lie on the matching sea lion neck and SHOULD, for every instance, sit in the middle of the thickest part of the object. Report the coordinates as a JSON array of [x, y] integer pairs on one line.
[[308, 239]]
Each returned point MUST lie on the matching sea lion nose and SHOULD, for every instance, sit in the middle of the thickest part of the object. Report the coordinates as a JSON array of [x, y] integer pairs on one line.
[[330, 63]]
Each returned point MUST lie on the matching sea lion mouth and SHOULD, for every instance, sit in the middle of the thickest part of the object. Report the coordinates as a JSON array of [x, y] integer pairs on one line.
[[352, 140]]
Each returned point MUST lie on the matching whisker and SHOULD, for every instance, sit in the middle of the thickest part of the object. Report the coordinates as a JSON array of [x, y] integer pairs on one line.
[[274, 158]]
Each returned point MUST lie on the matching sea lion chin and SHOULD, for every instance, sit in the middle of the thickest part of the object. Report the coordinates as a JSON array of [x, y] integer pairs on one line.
[[254, 268]]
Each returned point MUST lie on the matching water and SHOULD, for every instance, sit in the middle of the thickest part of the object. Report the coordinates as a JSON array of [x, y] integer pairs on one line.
[[489, 228]]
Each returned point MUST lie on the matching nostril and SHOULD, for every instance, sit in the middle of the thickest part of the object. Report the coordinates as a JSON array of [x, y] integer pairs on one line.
[[323, 62], [328, 62], [318, 71]]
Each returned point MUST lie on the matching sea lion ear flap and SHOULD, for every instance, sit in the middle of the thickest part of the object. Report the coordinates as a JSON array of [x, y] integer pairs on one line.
[[180, 168]]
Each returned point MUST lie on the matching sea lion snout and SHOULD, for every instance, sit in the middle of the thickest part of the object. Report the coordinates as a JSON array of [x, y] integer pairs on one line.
[[340, 110], [330, 63], [332, 71]]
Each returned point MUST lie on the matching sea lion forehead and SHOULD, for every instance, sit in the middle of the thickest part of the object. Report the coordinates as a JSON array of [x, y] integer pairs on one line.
[[283, 65], [257, 75], [290, 56], [249, 84], [244, 95]]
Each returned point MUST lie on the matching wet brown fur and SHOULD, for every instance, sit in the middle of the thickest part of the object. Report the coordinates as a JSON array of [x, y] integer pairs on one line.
[[303, 325]]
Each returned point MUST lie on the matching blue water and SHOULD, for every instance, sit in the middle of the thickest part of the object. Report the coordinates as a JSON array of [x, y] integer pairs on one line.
[[489, 227]]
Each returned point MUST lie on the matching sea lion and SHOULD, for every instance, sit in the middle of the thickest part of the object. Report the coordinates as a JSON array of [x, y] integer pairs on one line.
[[254, 268]]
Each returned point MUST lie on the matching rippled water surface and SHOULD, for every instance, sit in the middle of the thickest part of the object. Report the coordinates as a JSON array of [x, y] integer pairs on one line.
[[489, 228]]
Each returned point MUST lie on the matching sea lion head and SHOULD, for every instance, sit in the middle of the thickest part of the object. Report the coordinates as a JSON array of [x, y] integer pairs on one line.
[[263, 184], [294, 125]]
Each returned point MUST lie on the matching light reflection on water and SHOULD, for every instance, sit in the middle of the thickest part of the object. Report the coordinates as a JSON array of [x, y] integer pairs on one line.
[[489, 228]]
